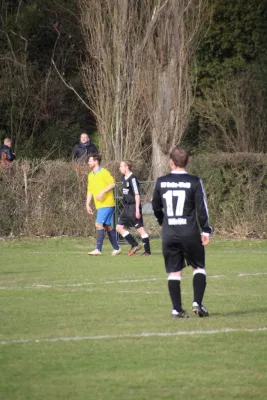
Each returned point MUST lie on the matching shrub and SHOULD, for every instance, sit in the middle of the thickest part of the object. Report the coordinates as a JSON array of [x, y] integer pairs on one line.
[[48, 197], [235, 185]]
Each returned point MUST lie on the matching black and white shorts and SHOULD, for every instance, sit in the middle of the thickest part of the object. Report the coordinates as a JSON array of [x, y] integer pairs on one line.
[[184, 251], [128, 218]]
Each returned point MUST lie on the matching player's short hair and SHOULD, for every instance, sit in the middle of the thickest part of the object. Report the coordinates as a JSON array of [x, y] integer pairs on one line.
[[128, 163], [179, 156], [96, 157]]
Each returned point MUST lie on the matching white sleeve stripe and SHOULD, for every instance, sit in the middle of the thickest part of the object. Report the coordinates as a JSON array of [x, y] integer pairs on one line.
[[135, 187], [204, 198]]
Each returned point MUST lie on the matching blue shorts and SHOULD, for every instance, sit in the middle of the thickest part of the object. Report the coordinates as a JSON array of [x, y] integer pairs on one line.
[[104, 215]]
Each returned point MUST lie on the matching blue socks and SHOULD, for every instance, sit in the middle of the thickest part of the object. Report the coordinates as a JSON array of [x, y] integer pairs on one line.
[[99, 239], [113, 239]]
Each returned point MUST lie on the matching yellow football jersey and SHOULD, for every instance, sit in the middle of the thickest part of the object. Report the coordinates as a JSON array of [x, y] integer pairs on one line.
[[98, 181]]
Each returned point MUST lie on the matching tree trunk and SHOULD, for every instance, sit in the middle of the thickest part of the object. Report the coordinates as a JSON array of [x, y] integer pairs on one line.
[[159, 159]]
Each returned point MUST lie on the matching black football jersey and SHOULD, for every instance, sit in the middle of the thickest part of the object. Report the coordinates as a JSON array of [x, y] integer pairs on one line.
[[130, 188], [179, 205]]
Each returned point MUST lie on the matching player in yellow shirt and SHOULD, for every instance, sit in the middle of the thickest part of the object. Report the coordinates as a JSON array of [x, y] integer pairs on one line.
[[100, 187]]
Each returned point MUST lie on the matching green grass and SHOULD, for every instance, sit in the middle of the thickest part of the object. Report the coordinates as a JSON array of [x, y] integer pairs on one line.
[[114, 314]]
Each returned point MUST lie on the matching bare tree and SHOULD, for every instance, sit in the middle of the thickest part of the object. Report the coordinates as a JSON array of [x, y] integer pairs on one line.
[[112, 74], [169, 93], [136, 72], [234, 115]]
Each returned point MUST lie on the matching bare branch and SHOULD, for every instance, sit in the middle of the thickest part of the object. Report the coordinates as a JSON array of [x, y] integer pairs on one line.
[[18, 10], [14, 61], [72, 88], [137, 72]]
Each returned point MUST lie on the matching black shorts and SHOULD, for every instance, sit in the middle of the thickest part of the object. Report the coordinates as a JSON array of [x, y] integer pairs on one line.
[[176, 253], [127, 217]]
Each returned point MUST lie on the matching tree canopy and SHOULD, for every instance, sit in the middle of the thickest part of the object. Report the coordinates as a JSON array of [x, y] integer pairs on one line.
[[43, 49]]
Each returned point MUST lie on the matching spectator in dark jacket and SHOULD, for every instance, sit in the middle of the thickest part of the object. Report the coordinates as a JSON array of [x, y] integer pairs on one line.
[[83, 149], [6, 153]]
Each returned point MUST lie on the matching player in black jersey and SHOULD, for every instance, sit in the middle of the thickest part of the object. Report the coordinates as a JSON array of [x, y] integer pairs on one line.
[[180, 207], [131, 214]]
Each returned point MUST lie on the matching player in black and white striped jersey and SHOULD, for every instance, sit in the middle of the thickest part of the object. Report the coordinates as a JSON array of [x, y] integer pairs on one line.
[[131, 214], [180, 207]]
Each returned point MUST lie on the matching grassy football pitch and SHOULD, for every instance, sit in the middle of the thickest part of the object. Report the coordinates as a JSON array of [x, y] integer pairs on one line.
[[75, 327]]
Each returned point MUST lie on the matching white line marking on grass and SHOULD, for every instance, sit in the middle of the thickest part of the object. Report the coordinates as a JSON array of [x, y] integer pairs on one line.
[[41, 286], [60, 286], [245, 251], [77, 284], [134, 280], [256, 274], [240, 274], [47, 286], [133, 335], [139, 291], [35, 286], [56, 252]]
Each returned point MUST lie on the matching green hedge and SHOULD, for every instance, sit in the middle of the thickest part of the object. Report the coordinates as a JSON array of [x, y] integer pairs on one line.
[[44, 198], [236, 188], [48, 197]]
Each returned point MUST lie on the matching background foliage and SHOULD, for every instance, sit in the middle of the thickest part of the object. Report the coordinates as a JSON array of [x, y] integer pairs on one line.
[[42, 50], [43, 116], [48, 197], [230, 77]]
